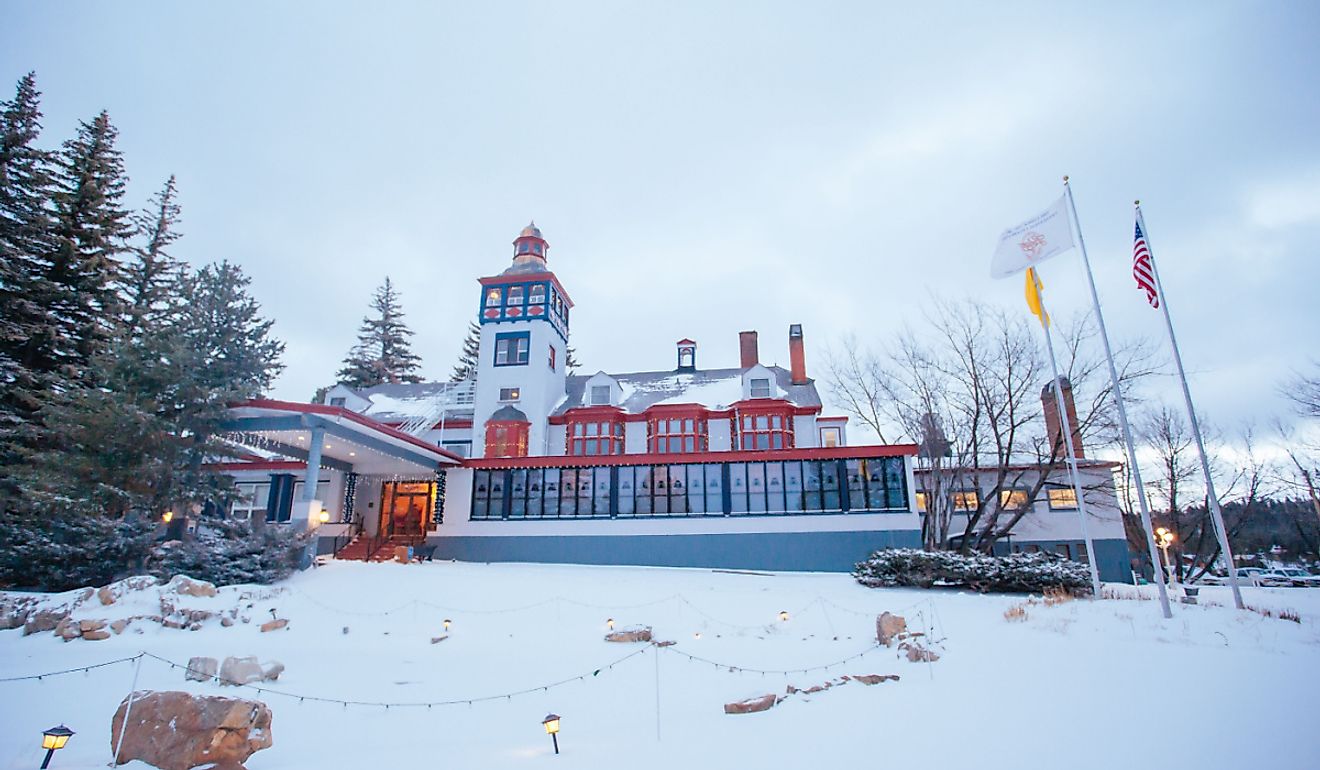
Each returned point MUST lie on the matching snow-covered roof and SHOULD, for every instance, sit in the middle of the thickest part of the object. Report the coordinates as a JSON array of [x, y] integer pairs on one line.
[[712, 388], [400, 402]]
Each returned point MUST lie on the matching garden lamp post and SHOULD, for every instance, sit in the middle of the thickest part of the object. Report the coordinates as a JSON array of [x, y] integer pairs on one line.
[[1164, 539], [53, 739], [551, 723]]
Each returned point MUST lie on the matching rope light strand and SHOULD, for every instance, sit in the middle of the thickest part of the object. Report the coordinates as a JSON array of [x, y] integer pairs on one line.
[[748, 669], [71, 670]]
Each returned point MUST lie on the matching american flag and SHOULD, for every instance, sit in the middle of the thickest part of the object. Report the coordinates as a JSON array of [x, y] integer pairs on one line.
[[1141, 268]]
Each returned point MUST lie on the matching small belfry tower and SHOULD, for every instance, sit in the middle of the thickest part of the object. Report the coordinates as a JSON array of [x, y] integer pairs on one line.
[[524, 347]]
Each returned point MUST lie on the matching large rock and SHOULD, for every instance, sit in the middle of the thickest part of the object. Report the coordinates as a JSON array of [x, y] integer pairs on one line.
[[635, 634], [112, 592], [201, 669], [178, 731], [186, 586], [751, 705], [274, 625], [875, 678], [44, 620], [236, 671], [888, 626]]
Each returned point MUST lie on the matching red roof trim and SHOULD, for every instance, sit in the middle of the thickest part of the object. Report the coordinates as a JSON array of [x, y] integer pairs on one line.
[[339, 411], [501, 280], [686, 341], [831, 419], [809, 453], [593, 413]]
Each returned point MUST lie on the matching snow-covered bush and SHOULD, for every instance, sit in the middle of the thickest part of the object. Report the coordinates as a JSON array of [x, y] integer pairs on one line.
[[70, 549], [229, 552], [1018, 572]]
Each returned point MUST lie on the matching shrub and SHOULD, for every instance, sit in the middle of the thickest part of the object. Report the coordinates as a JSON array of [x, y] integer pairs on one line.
[[1018, 572], [229, 552]]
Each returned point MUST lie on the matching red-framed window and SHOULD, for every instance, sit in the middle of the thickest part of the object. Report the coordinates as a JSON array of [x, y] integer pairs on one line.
[[594, 437], [768, 427], [676, 433], [506, 438]]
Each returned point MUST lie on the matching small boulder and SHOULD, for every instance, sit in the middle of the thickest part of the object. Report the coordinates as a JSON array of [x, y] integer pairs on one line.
[[888, 626], [237, 671], [186, 586], [918, 654], [875, 678], [274, 625], [118, 626], [271, 671], [179, 731], [201, 669], [90, 625], [635, 634], [751, 705], [68, 630], [95, 636], [226, 621], [106, 595]]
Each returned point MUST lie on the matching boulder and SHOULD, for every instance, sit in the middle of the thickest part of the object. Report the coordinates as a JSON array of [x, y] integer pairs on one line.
[[236, 671], [635, 634], [274, 625], [751, 705], [201, 669], [272, 670], [44, 620], [95, 636], [918, 654], [118, 626], [888, 626], [178, 731], [90, 625], [68, 630], [186, 586], [875, 678], [226, 621], [106, 595]]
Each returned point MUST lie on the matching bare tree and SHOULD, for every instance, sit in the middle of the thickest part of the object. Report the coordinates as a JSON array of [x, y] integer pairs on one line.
[[967, 391]]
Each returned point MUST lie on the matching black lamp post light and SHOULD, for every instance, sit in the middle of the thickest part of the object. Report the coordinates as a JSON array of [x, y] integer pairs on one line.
[[551, 723], [53, 739]]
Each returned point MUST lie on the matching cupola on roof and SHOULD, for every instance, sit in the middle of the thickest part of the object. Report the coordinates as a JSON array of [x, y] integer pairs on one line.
[[529, 251]]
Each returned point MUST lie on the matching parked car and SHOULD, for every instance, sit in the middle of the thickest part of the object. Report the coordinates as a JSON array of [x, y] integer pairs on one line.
[[1249, 575], [1288, 576]]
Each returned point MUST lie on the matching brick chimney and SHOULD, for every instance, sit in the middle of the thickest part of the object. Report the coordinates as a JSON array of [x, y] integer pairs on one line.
[[747, 348], [797, 357], [1052, 427]]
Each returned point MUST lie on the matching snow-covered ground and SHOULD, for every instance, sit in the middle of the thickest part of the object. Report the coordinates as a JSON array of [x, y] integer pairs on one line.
[[1083, 684]]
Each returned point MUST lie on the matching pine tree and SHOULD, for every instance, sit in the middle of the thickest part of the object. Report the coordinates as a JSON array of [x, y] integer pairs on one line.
[[466, 369], [25, 231], [382, 353], [91, 233], [570, 360], [151, 277]]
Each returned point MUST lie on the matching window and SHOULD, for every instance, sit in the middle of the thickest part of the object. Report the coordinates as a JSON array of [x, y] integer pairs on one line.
[[515, 295], [536, 294], [600, 395], [760, 388], [595, 437], [510, 394], [1062, 499], [506, 439], [831, 437], [966, 500], [337, 401], [1013, 499], [511, 348], [765, 430], [460, 448], [552, 358], [493, 297], [674, 435], [251, 501]]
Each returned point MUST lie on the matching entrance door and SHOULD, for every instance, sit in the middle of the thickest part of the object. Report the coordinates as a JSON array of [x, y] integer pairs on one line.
[[405, 508]]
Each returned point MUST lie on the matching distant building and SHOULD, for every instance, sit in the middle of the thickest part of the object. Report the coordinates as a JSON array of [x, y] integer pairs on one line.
[[734, 467]]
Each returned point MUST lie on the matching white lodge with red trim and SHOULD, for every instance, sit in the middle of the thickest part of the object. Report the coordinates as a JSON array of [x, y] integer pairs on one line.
[[731, 467]]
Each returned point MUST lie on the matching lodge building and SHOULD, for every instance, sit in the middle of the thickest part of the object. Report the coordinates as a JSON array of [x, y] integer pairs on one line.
[[735, 467]]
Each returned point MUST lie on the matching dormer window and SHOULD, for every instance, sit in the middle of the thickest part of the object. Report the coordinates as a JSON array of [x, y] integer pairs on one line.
[[687, 355], [515, 295], [760, 388], [600, 395]]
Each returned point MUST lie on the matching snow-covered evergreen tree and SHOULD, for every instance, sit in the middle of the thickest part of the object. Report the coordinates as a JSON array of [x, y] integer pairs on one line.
[[25, 231], [466, 369], [151, 275], [382, 353]]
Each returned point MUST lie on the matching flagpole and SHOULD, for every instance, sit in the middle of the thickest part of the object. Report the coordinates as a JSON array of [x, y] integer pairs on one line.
[[1212, 500], [1146, 525], [1066, 429]]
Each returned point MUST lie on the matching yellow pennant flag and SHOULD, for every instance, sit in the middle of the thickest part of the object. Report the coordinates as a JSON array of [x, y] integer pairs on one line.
[[1033, 297]]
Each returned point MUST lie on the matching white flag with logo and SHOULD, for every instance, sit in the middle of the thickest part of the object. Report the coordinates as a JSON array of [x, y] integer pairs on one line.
[[1033, 241]]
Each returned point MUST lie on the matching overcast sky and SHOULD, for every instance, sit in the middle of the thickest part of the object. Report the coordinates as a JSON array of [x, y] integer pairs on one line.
[[704, 168]]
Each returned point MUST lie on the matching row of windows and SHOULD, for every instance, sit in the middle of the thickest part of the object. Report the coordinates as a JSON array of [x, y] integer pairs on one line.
[[519, 295], [1059, 499], [709, 489], [596, 438]]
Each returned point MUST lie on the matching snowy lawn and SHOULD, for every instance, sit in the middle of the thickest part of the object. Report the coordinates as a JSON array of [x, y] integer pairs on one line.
[[1083, 684]]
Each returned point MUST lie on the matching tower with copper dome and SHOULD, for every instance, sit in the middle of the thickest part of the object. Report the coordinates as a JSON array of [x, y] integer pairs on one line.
[[523, 314]]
